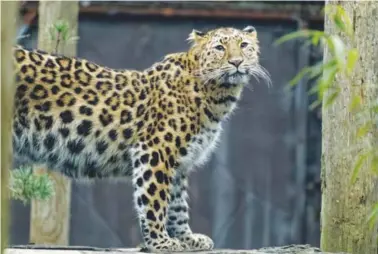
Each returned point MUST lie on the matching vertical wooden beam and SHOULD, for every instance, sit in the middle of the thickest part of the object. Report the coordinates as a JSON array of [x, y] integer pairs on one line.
[[50, 219], [8, 36], [346, 206]]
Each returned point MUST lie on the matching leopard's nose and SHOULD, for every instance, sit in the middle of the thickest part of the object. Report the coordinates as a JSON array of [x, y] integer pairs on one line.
[[235, 62]]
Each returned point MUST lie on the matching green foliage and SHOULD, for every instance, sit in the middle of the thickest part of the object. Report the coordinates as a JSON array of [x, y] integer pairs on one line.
[[342, 62], [373, 217], [25, 186], [361, 159], [60, 32]]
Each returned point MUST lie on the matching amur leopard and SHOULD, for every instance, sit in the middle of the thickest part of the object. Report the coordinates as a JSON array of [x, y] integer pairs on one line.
[[153, 126]]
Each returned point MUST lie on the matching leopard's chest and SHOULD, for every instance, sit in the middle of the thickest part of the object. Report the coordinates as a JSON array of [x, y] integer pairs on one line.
[[200, 148]]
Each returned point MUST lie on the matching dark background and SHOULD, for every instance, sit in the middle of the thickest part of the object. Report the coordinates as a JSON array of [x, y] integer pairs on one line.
[[261, 187]]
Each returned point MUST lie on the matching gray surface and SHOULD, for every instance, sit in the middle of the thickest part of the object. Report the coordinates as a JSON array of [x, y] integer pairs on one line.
[[246, 195], [289, 249]]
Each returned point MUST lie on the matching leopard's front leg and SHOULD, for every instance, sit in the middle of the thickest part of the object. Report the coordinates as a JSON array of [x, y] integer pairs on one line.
[[152, 181], [178, 216]]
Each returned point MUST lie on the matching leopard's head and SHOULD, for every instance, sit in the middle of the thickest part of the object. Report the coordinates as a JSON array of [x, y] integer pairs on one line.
[[227, 55]]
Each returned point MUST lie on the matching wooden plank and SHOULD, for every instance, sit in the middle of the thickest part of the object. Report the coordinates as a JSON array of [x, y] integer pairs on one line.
[[346, 206], [50, 219], [8, 34]]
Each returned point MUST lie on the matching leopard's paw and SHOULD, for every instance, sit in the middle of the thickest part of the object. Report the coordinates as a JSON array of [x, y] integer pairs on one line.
[[164, 245], [197, 241]]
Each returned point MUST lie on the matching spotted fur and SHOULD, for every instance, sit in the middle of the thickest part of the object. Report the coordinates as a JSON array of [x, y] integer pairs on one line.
[[153, 126]]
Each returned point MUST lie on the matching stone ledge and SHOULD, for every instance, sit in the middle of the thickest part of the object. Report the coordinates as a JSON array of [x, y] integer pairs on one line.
[[39, 249]]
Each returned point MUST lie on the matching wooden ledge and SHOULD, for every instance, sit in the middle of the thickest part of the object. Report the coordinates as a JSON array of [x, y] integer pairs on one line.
[[34, 249]]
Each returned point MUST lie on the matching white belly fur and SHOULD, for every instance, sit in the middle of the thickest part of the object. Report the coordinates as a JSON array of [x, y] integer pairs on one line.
[[200, 149]]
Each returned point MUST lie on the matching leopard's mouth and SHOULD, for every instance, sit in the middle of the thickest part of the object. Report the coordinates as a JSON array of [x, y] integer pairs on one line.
[[237, 77], [236, 74]]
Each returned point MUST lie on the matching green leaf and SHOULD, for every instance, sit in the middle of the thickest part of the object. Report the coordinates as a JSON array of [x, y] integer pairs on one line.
[[351, 60], [373, 216], [337, 48], [319, 68], [331, 98], [347, 23], [340, 18], [299, 76], [65, 35], [326, 81], [357, 166], [355, 103], [293, 35], [364, 129], [61, 26], [313, 90], [339, 22], [315, 104], [316, 38], [323, 82]]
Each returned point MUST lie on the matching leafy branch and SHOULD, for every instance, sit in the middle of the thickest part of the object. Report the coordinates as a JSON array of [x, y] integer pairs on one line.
[[24, 185], [342, 61], [60, 32]]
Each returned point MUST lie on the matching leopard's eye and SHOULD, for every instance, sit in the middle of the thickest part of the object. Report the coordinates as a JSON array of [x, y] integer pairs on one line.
[[243, 44], [219, 47]]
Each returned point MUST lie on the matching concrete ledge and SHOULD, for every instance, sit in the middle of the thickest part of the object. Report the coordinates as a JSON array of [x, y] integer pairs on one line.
[[38, 249]]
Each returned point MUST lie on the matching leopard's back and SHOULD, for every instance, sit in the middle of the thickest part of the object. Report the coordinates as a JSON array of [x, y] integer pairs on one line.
[[75, 116]]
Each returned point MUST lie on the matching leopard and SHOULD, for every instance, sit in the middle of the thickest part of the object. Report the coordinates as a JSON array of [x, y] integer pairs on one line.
[[151, 126]]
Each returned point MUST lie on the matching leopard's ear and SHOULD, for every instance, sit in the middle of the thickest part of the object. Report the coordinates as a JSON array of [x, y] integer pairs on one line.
[[251, 31], [196, 36]]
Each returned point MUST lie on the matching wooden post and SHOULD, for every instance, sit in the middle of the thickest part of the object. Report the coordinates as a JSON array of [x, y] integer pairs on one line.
[[346, 206], [8, 38], [50, 219]]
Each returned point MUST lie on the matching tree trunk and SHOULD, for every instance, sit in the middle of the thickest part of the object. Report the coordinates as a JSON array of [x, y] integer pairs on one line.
[[346, 206], [50, 219], [8, 36]]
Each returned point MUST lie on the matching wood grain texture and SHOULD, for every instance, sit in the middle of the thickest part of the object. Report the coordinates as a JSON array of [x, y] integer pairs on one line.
[[50, 219], [346, 206], [8, 34]]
